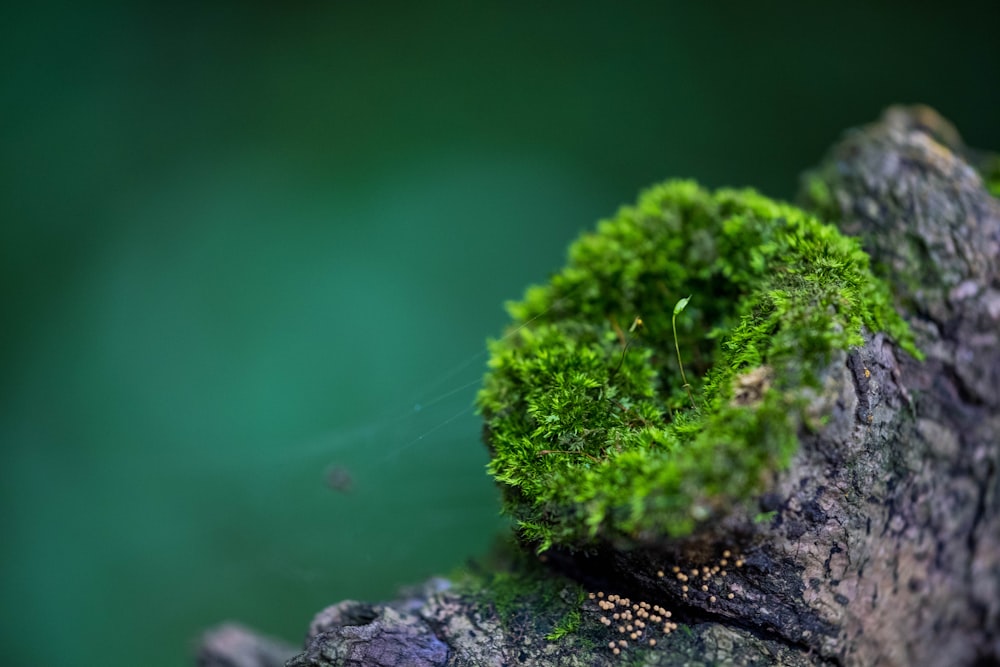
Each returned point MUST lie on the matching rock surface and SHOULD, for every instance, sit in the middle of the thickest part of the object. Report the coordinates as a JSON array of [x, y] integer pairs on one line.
[[880, 544], [232, 645]]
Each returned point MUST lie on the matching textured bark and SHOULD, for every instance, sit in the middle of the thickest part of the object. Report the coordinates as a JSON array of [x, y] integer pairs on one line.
[[437, 627], [920, 521], [232, 645], [885, 546], [884, 543]]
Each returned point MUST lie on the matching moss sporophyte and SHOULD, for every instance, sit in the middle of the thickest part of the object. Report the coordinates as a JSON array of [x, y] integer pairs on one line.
[[737, 304]]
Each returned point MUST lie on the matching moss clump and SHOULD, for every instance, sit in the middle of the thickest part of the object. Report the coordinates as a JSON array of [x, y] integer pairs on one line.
[[591, 430]]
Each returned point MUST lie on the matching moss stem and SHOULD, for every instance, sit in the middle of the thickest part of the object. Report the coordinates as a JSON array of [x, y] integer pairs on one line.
[[678, 308], [565, 451]]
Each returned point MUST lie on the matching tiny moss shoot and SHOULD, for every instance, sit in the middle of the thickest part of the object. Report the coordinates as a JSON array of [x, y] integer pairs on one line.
[[680, 306], [597, 436]]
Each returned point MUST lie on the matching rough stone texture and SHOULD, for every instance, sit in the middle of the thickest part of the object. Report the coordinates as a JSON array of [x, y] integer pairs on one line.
[[885, 545], [920, 518], [233, 645], [447, 628], [883, 542], [375, 636]]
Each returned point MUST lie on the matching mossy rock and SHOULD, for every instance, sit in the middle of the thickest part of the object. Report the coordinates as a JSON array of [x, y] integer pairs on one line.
[[593, 432]]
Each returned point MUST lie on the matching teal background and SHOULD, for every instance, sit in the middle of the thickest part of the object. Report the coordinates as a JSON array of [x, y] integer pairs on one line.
[[241, 244]]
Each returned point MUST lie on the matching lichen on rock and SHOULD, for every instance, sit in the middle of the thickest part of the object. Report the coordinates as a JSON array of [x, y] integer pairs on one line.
[[592, 431]]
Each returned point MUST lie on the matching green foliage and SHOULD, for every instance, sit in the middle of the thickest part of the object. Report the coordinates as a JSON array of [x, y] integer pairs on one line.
[[765, 517], [592, 434], [679, 308], [570, 622], [524, 593], [990, 170]]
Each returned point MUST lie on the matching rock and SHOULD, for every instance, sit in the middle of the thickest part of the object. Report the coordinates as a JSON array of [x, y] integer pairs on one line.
[[232, 645], [879, 544]]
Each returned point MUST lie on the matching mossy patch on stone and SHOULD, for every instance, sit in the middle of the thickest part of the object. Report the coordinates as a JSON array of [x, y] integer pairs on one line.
[[522, 592], [591, 429]]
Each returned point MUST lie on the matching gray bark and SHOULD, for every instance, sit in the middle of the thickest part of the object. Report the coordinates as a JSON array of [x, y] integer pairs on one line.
[[232, 645], [884, 545]]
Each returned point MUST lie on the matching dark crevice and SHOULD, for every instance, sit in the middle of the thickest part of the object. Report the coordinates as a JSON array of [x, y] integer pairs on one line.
[[437, 629], [861, 385], [963, 392], [977, 518], [585, 569]]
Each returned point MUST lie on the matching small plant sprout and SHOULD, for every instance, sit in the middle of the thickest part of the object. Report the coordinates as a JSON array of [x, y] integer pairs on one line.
[[680, 306], [625, 340]]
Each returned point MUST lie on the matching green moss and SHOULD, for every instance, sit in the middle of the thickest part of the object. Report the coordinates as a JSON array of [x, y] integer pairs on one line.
[[765, 517], [815, 190], [569, 623], [523, 593], [591, 430], [990, 170]]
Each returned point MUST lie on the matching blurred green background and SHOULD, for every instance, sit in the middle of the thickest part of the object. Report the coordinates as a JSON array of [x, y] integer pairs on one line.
[[242, 244]]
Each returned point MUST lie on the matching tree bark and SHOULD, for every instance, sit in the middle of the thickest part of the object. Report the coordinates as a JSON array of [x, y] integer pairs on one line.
[[882, 542]]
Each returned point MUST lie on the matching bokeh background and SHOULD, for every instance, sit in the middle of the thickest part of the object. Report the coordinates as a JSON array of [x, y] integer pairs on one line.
[[251, 254]]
